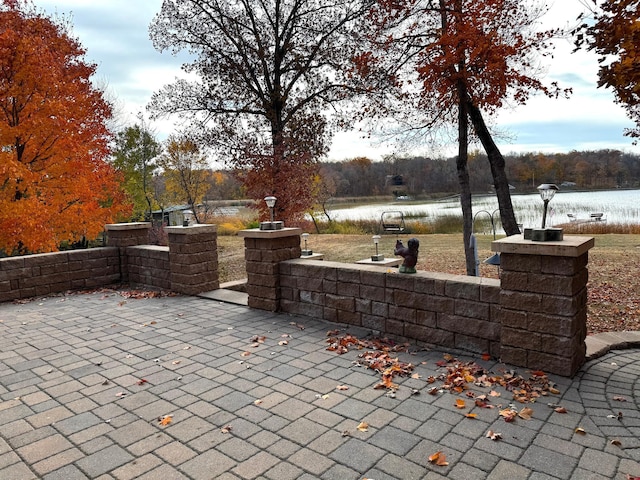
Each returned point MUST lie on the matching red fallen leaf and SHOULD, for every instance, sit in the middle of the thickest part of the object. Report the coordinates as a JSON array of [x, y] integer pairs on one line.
[[142, 381], [508, 414], [486, 357], [560, 410], [439, 459], [538, 373]]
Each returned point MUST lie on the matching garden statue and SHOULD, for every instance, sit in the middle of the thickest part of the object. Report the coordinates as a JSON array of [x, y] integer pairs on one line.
[[409, 253]]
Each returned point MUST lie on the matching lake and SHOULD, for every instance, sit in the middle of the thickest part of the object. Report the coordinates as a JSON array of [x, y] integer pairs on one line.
[[617, 206]]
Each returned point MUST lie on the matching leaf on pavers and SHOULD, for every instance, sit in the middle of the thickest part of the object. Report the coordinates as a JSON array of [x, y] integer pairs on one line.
[[486, 357], [493, 393], [323, 397], [554, 390], [580, 430], [257, 402], [471, 415], [152, 322], [460, 403], [483, 403], [415, 391], [226, 429], [129, 356], [346, 433], [439, 459], [176, 362], [509, 414], [431, 379], [121, 394], [258, 339], [187, 347], [629, 477], [617, 417], [283, 343], [433, 391], [616, 442], [560, 410], [619, 398], [297, 325], [526, 413], [495, 436], [333, 333], [165, 420], [363, 427], [342, 387], [142, 381], [106, 382], [416, 375], [245, 354], [285, 335]]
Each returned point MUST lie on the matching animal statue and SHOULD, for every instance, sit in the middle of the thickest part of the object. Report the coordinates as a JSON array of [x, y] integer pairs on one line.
[[409, 253]]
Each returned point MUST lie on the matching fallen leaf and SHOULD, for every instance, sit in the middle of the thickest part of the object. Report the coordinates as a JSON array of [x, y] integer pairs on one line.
[[121, 394], [226, 429], [257, 402], [433, 391], [431, 379], [616, 442], [471, 415], [553, 390], [486, 357], [580, 430], [493, 393], [508, 414], [363, 427], [560, 410], [166, 420], [416, 375], [619, 398], [439, 459], [176, 362], [346, 433], [526, 413], [142, 381], [342, 387], [460, 403], [283, 342], [245, 354], [495, 436]]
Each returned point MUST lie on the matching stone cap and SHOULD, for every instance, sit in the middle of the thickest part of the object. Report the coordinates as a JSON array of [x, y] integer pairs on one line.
[[570, 246], [192, 229], [257, 233], [127, 226]]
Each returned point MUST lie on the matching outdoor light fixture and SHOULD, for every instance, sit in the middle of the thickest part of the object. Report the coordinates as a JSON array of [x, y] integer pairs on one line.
[[547, 191], [493, 259], [544, 234], [305, 252], [378, 257], [271, 203]]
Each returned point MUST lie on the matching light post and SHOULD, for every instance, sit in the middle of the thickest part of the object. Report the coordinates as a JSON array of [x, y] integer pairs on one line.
[[305, 252], [547, 191], [272, 225], [377, 257]]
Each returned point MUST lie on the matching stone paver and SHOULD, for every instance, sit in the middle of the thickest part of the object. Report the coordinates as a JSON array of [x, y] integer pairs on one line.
[[73, 404]]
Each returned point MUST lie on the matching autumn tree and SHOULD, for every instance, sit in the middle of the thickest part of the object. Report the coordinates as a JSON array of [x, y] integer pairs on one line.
[[55, 182], [455, 61], [134, 156], [186, 172], [267, 74], [615, 37]]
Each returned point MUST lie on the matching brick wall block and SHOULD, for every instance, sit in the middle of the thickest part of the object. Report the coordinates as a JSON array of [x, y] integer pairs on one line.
[[555, 325], [329, 286], [515, 281], [190, 259], [330, 314], [262, 268], [380, 309], [426, 319], [363, 305], [523, 301], [401, 281], [348, 289], [558, 285], [425, 285], [375, 279], [490, 290], [348, 275], [564, 265], [563, 346], [288, 281], [373, 322], [262, 280], [350, 318], [513, 355], [464, 287], [376, 294], [512, 337], [403, 314], [438, 304], [251, 255], [564, 306], [467, 308], [431, 335], [565, 366], [310, 310], [407, 298], [471, 344], [259, 303], [312, 297], [512, 318], [520, 263], [394, 327], [469, 326], [341, 303]]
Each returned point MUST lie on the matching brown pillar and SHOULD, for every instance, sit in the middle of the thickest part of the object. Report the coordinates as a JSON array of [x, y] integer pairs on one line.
[[264, 250], [543, 301], [123, 235], [193, 258]]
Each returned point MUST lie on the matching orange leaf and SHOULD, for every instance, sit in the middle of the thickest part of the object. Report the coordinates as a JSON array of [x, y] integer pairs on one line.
[[560, 410], [166, 420], [526, 413], [439, 459], [460, 403], [486, 357], [245, 354], [471, 415], [363, 426]]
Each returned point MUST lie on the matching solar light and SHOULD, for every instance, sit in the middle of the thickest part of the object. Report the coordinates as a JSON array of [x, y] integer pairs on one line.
[[305, 252], [272, 225], [547, 191], [377, 257]]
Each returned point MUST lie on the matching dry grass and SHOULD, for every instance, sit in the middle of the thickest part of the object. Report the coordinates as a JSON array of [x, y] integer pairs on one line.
[[614, 267]]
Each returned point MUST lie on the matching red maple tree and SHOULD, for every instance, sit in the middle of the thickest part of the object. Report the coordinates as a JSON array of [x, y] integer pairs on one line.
[[55, 182]]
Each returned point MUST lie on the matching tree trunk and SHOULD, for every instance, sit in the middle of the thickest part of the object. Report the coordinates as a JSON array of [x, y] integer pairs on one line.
[[463, 180], [496, 160]]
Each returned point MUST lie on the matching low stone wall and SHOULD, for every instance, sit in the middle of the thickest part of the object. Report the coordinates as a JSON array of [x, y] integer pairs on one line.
[[42, 274], [448, 310], [148, 266]]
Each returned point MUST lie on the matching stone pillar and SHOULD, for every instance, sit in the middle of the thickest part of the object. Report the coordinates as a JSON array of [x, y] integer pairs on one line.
[[543, 300], [123, 235], [193, 258], [264, 249]]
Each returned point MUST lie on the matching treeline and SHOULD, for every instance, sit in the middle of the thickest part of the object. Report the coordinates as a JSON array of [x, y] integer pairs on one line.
[[416, 176]]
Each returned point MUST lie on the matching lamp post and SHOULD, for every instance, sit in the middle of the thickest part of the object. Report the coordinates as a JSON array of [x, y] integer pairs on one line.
[[305, 252], [272, 225], [547, 191], [377, 257]]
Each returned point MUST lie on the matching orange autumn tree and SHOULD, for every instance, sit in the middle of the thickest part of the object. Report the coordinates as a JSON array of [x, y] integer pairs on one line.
[[55, 182]]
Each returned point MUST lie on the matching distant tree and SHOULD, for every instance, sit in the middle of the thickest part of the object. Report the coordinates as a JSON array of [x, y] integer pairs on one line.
[[456, 61], [134, 155], [268, 73], [186, 172], [615, 37], [55, 182]]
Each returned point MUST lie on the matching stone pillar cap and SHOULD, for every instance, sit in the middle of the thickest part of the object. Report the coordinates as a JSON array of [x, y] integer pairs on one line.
[[257, 233], [570, 246]]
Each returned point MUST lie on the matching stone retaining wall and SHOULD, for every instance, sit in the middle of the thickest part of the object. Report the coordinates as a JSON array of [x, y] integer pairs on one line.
[[448, 310]]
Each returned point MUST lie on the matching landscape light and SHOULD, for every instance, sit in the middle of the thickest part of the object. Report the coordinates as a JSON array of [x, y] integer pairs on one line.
[[547, 191], [272, 225], [305, 252], [377, 257]]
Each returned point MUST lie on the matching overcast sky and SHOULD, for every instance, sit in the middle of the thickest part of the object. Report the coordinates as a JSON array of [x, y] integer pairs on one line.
[[115, 34]]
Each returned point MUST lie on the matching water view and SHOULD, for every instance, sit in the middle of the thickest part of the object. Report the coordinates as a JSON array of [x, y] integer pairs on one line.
[[616, 206]]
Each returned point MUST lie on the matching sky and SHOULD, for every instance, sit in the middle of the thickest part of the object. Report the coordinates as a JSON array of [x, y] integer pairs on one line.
[[115, 35]]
